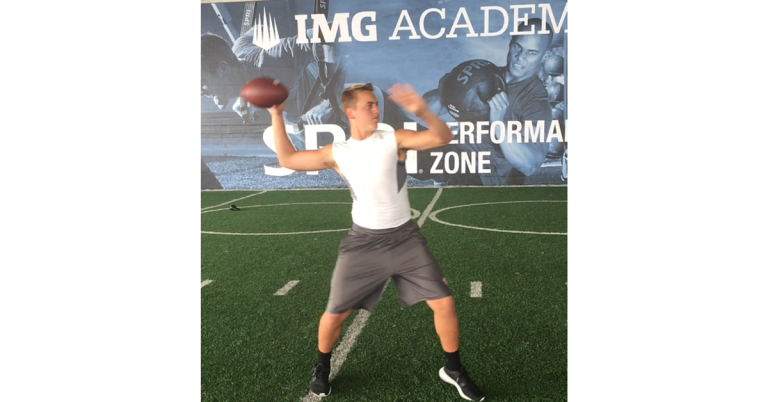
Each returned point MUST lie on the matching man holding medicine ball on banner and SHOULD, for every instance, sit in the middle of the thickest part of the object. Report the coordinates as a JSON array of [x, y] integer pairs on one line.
[[513, 92]]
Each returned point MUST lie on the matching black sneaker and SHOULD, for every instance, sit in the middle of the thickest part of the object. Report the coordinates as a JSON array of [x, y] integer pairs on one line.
[[233, 207], [460, 379], [319, 385]]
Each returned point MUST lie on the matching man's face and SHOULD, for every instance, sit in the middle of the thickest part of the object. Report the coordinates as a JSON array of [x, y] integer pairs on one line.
[[525, 54], [367, 112], [219, 87]]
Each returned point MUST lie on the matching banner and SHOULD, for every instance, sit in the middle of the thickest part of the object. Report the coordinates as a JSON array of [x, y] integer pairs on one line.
[[495, 71]]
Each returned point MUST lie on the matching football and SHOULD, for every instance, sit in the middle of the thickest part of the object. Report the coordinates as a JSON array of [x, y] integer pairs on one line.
[[264, 92]]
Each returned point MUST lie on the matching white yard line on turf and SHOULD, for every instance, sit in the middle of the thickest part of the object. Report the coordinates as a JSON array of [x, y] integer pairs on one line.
[[205, 282], [426, 212], [229, 202], [343, 348], [476, 289], [285, 289]]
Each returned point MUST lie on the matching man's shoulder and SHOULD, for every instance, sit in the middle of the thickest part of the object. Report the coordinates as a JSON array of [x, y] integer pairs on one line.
[[530, 84], [244, 46], [398, 133], [338, 144], [528, 90], [387, 133]]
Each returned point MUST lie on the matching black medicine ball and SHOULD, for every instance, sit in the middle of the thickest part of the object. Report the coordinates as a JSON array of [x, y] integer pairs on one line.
[[466, 90]]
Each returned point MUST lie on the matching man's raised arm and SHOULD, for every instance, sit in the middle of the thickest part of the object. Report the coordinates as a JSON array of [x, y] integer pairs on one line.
[[437, 132], [290, 158]]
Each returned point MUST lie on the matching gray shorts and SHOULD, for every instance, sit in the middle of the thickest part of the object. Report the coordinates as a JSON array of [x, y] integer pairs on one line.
[[368, 258]]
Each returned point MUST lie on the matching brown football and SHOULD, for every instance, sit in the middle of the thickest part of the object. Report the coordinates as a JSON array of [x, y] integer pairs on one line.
[[264, 92]]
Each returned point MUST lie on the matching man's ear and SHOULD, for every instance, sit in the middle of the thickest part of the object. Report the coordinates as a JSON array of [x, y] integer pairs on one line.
[[222, 69], [349, 113]]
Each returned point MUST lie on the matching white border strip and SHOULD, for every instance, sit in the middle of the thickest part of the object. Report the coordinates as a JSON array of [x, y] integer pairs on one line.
[[285, 289], [409, 188]]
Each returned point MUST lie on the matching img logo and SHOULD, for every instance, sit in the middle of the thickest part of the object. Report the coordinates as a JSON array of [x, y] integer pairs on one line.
[[265, 33]]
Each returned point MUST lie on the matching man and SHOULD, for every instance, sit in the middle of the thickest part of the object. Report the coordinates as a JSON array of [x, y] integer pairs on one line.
[[225, 70], [384, 242], [525, 99]]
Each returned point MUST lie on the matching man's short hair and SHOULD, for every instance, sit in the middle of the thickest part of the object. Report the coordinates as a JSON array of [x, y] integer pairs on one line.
[[349, 96], [535, 25], [214, 49]]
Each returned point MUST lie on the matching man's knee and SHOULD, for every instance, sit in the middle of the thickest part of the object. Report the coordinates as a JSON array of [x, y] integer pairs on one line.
[[444, 305], [335, 319]]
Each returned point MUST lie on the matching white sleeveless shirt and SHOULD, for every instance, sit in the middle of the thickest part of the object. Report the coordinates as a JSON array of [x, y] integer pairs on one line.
[[376, 179]]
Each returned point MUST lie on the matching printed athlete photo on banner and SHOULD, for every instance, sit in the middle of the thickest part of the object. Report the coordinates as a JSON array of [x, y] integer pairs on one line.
[[496, 72]]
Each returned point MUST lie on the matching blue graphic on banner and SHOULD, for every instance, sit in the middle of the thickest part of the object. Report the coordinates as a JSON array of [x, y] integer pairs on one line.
[[495, 71]]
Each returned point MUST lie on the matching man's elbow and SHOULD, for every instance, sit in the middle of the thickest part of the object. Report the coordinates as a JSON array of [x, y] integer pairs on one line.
[[528, 170], [530, 165], [285, 161], [445, 137]]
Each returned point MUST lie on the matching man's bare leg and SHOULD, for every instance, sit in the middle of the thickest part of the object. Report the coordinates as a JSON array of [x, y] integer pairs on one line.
[[447, 327], [330, 330], [327, 335], [446, 323]]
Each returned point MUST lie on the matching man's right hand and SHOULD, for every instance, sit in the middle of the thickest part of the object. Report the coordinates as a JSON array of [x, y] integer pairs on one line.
[[498, 104], [405, 97], [277, 109]]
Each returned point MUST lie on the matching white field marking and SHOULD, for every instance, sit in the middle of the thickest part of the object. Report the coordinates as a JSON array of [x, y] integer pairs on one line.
[[481, 186], [415, 214], [205, 282], [274, 234], [476, 289], [278, 205], [343, 348], [429, 207], [229, 202], [288, 286], [433, 216]]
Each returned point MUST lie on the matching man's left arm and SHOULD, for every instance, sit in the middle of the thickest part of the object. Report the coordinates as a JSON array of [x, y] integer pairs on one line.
[[437, 132], [526, 157]]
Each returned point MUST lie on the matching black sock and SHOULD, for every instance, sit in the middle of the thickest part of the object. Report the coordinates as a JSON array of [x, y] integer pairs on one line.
[[452, 361], [324, 359]]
